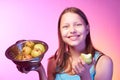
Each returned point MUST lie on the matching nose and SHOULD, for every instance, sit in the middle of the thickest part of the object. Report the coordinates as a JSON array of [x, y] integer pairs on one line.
[[72, 29]]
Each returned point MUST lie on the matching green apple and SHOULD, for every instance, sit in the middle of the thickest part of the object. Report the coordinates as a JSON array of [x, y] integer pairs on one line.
[[26, 50], [40, 47], [87, 58], [35, 53]]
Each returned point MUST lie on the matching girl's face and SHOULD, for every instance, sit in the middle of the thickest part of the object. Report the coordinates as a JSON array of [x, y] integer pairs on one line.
[[73, 29]]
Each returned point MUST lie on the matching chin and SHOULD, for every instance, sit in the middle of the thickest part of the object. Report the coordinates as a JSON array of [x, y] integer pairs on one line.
[[73, 44]]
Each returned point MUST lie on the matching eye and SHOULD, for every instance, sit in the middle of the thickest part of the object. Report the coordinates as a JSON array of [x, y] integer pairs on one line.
[[65, 27], [78, 24]]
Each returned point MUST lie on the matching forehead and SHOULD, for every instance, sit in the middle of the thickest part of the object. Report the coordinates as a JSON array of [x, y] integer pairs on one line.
[[71, 17]]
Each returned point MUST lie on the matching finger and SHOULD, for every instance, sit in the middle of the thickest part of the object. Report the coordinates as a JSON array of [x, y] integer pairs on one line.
[[88, 66], [80, 67], [93, 61], [77, 67], [82, 61], [82, 64], [75, 70]]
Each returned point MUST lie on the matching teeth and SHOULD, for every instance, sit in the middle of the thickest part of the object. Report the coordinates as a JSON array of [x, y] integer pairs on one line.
[[73, 37]]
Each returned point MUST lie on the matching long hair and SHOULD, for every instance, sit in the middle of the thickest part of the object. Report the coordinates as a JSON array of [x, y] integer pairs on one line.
[[61, 54]]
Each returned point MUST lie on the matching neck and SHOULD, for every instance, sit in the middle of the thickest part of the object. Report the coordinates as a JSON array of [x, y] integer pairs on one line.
[[77, 50]]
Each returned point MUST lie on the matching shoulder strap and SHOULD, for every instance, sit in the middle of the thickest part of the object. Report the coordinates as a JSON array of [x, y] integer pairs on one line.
[[97, 56]]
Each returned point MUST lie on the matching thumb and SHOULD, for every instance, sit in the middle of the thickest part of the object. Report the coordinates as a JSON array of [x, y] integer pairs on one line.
[[81, 60], [93, 61]]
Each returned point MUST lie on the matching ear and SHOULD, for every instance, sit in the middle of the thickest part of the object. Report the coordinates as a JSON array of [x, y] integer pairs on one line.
[[87, 29]]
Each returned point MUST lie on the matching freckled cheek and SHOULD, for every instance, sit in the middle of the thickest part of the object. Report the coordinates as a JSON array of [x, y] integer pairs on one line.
[[64, 33], [81, 30]]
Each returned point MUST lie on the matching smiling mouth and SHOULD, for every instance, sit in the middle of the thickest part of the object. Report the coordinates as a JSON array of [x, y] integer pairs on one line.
[[73, 38]]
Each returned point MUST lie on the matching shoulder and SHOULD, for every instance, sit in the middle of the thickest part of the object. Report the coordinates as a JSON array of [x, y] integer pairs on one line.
[[52, 60], [104, 60], [104, 67], [51, 68], [52, 63]]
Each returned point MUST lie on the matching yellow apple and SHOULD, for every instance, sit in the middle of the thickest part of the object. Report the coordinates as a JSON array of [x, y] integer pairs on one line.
[[29, 44], [87, 58], [27, 57], [36, 53], [26, 50], [40, 46], [19, 57]]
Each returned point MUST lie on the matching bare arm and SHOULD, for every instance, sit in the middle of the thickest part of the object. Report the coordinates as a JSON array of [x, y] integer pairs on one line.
[[104, 68], [51, 69], [41, 72]]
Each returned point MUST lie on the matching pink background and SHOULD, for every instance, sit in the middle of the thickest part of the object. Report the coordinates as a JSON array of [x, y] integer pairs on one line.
[[37, 19]]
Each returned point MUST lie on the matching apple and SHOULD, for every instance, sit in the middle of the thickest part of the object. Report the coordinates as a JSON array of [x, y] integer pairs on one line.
[[26, 50], [36, 53], [40, 46], [27, 57], [86, 57], [29, 44], [19, 57]]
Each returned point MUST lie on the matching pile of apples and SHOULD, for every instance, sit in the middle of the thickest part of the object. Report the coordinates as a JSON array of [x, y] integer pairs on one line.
[[30, 50]]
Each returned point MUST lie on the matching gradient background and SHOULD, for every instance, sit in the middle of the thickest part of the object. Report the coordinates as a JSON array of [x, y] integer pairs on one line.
[[37, 19]]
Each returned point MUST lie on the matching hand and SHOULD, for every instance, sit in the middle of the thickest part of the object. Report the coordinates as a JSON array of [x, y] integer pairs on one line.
[[27, 68], [23, 69], [82, 69], [40, 68]]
